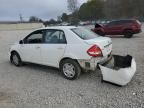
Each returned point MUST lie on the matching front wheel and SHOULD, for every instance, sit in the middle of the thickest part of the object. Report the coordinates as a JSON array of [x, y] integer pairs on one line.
[[15, 59], [70, 69], [99, 32]]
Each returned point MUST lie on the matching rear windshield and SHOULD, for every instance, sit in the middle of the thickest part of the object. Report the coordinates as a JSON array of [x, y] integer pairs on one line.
[[84, 34]]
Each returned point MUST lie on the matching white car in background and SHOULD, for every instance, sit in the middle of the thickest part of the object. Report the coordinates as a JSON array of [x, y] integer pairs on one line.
[[71, 49]]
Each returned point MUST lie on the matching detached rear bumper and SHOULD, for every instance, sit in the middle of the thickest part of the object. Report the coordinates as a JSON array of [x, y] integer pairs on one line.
[[120, 70]]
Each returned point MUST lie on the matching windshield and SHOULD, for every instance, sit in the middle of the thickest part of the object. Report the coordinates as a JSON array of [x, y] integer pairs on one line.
[[84, 34]]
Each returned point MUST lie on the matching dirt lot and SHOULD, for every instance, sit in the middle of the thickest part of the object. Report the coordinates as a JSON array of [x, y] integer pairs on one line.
[[34, 86]]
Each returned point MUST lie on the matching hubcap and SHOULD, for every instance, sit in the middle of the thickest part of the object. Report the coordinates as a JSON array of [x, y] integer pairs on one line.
[[15, 60], [69, 70]]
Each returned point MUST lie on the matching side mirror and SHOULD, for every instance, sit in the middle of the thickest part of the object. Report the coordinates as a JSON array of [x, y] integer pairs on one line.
[[21, 42]]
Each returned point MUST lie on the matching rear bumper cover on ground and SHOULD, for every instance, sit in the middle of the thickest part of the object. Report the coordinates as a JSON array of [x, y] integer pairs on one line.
[[123, 74]]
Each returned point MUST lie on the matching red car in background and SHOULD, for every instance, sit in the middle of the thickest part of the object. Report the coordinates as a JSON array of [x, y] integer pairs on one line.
[[119, 27]]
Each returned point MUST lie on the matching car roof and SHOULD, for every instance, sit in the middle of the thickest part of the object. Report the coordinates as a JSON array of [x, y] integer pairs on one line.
[[123, 20], [59, 27]]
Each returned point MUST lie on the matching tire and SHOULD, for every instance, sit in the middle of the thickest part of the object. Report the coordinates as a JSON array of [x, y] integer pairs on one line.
[[70, 69], [15, 59], [128, 34], [100, 33]]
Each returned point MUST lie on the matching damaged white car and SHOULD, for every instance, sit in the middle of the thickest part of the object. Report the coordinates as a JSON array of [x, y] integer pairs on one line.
[[71, 49]]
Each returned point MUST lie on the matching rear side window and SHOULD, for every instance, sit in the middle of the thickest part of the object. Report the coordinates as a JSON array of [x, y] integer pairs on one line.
[[84, 34], [126, 21], [54, 37]]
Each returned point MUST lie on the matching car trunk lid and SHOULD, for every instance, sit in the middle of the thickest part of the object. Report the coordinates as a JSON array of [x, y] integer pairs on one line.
[[104, 43]]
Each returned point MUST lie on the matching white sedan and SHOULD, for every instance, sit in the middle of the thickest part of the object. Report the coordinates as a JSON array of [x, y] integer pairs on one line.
[[71, 49]]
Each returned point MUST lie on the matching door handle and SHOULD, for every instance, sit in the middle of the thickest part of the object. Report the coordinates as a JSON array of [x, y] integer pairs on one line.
[[37, 47], [60, 48]]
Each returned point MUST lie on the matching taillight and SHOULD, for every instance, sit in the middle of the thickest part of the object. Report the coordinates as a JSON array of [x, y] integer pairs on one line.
[[94, 51]]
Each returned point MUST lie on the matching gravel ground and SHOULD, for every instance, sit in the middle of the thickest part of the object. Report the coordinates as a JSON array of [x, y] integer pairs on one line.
[[35, 86]]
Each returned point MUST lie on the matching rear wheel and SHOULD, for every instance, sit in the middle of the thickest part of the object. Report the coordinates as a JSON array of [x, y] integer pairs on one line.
[[15, 59], [70, 69], [128, 34]]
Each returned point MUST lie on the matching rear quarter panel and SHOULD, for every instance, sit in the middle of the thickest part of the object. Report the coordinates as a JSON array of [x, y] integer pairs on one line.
[[76, 48], [77, 51]]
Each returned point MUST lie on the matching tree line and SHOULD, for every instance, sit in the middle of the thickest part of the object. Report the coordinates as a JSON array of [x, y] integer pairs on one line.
[[94, 10], [107, 9]]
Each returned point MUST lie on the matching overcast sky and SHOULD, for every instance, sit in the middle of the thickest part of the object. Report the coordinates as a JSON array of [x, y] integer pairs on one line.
[[44, 9]]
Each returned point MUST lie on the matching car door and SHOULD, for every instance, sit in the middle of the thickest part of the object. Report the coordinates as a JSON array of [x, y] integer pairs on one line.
[[54, 47], [31, 48], [114, 28]]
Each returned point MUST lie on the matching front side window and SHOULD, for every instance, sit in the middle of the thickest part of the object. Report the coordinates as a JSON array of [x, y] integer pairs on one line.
[[34, 38], [54, 37], [112, 23], [84, 34]]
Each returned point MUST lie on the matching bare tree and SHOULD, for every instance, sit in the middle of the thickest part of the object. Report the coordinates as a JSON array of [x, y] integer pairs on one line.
[[21, 18], [72, 5]]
